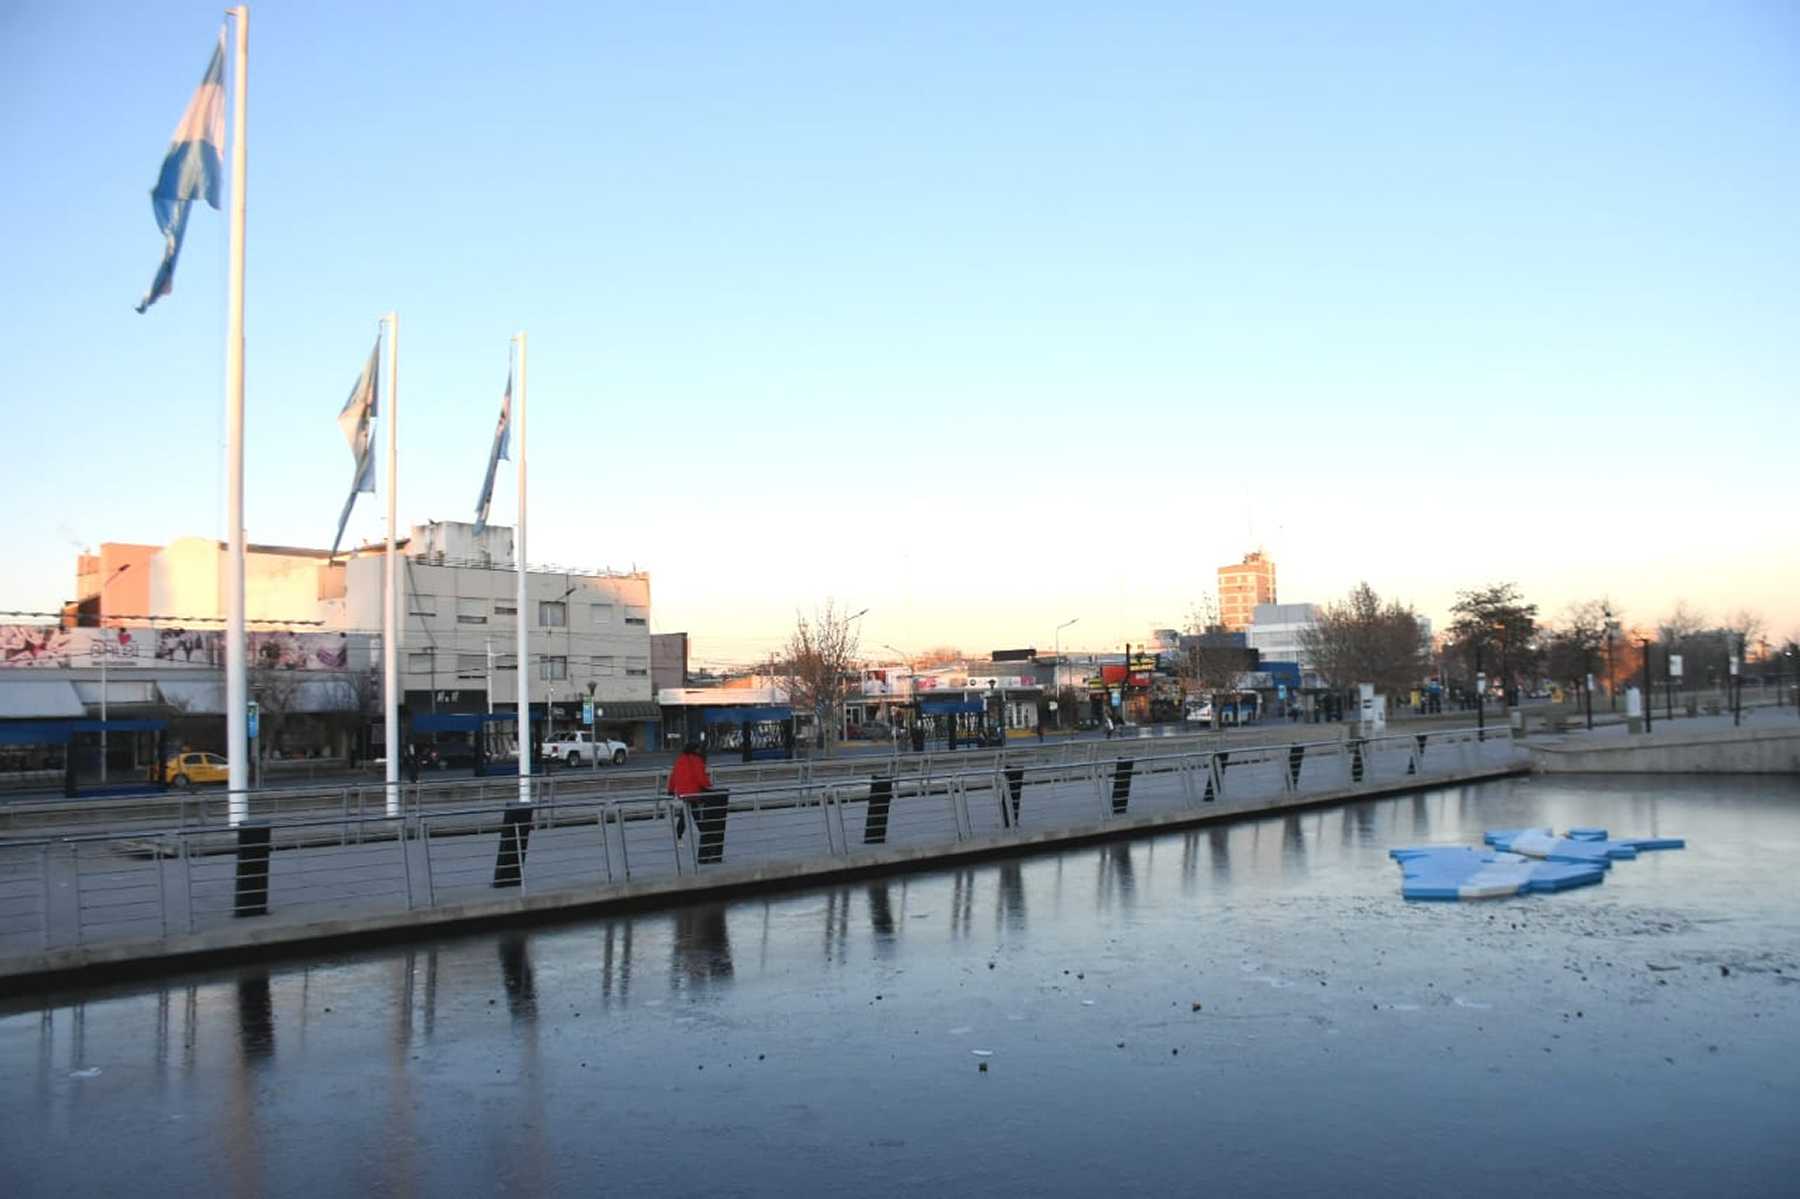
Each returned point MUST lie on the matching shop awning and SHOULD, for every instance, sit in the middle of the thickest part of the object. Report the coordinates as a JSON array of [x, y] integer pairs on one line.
[[26, 699]]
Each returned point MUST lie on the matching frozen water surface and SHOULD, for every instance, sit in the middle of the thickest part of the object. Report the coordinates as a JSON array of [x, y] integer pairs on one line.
[[1269, 1016]]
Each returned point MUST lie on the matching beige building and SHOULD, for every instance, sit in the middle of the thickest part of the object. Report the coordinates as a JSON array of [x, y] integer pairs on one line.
[[1242, 586]]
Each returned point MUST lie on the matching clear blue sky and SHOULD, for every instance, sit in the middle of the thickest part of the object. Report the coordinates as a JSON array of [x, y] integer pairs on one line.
[[981, 316]]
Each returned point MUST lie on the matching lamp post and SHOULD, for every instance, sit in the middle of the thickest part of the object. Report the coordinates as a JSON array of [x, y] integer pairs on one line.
[[1649, 703], [1058, 678], [1612, 626], [105, 653], [839, 716], [911, 688]]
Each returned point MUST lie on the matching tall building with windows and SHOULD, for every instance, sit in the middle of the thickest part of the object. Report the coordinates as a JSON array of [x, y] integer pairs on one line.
[[588, 631], [1242, 586]]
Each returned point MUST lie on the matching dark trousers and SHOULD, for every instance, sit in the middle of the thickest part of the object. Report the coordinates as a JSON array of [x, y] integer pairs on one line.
[[708, 808]]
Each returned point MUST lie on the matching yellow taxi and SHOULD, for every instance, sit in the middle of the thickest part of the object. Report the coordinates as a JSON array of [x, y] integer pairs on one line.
[[187, 769]]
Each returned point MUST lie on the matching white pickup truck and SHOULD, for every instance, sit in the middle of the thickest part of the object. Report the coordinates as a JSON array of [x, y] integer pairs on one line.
[[580, 748]]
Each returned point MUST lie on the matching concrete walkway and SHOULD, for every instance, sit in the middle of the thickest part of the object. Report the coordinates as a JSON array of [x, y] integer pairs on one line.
[[75, 904]]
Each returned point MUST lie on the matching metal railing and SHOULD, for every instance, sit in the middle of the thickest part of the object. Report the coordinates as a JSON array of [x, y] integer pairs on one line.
[[354, 861]]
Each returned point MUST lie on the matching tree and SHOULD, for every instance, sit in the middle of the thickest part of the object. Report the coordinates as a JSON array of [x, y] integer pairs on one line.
[[819, 664], [1496, 631], [938, 655], [1363, 640], [1572, 646], [276, 690], [1211, 659]]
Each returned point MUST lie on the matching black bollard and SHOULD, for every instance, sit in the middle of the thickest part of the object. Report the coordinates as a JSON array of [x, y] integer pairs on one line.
[[1121, 786], [1412, 768], [515, 839], [881, 795], [252, 871], [1296, 754], [710, 817], [1015, 786], [1356, 760]]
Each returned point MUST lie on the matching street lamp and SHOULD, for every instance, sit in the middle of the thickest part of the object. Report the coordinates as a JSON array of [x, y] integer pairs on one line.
[[1612, 686], [1059, 667], [104, 655]]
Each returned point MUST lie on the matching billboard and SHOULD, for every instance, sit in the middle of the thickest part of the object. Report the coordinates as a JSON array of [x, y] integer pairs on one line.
[[51, 647]]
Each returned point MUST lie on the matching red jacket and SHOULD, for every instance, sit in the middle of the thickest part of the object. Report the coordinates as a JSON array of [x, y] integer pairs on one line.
[[689, 776]]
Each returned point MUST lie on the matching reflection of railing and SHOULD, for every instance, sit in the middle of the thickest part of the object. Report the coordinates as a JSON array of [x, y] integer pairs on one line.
[[453, 849]]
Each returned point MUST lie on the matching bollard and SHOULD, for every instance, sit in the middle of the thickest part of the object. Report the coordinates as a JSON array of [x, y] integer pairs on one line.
[[1412, 765], [1121, 786], [1015, 785], [252, 870], [515, 839], [1296, 754], [881, 796], [1356, 760], [710, 819]]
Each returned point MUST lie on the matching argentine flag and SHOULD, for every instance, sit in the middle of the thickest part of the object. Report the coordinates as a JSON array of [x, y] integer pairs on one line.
[[190, 170], [354, 419], [502, 435]]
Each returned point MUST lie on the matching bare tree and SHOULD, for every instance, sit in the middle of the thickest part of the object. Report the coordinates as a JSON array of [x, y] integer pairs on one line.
[[1364, 640], [276, 691], [1575, 641], [820, 664], [1211, 659]]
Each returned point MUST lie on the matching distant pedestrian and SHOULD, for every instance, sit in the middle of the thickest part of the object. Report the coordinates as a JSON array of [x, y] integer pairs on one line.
[[690, 782]]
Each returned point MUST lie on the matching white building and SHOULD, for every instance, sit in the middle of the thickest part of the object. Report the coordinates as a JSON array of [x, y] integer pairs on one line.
[[1276, 632], [588, 631]]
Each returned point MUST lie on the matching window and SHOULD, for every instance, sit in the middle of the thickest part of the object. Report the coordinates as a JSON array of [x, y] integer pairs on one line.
[[600, 613], [604, 665], [418, 663], [637, 668], [471, 610], [635, 615], [505, 608], [506, 661], [424, 605], [552, 614], [551, 669], [471, 665]]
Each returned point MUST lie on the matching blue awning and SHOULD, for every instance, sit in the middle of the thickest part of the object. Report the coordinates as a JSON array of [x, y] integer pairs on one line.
[[948, 707], [58, 732]]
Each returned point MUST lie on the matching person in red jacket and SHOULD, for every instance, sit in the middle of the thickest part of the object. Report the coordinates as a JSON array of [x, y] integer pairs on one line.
[[690, 781]]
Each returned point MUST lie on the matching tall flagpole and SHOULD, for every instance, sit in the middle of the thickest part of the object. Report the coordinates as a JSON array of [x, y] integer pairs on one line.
[[390, 594], [237, 691], [524, 610]]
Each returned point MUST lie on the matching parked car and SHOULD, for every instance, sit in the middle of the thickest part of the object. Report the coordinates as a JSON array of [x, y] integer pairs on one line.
[[185, 770], [578, 748]]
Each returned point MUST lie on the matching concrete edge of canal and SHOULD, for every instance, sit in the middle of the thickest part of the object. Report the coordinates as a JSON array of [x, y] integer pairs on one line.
[[44, 969]]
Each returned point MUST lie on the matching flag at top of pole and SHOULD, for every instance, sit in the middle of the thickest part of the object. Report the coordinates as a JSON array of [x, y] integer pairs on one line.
[[502, 436], [354, 419], [190, 170]]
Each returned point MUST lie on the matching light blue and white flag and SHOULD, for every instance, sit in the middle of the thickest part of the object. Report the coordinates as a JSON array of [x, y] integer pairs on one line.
[[190, 170], [502, 436], [354, 419]]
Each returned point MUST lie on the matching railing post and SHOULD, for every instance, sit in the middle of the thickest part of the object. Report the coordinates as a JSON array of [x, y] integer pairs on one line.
[[405, 859]]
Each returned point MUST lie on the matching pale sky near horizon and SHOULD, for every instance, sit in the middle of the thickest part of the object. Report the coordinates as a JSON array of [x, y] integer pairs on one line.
[[982, 317]]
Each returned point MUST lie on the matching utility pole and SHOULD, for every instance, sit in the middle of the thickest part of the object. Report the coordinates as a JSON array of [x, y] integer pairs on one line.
[[1649, 702]]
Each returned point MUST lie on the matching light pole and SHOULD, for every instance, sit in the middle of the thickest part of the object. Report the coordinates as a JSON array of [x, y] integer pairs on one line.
[[1057, 680], [839, 715], [1649, 703], [105, 653], [911, 688], [1612, 626]]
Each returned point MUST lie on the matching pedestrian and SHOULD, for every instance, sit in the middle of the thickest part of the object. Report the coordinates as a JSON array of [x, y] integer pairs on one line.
[[690, 782]]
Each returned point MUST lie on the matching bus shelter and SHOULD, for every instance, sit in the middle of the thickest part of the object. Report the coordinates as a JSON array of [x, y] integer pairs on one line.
[[761, 733], [956, 722], [485, 742], [134, 750]]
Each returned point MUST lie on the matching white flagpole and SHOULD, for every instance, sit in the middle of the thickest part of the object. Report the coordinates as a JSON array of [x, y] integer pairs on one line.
[[390, 607], [237, 690], [524, 610]]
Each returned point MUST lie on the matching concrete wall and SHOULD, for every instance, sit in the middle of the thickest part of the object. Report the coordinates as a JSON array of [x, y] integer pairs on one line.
[[1735, 751]]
